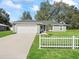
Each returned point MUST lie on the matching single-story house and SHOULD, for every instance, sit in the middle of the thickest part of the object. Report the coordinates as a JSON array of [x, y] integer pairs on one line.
[[3, 27], [38, 26]]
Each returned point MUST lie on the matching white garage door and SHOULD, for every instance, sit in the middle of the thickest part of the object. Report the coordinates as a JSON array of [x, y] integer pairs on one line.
[[26, 29]]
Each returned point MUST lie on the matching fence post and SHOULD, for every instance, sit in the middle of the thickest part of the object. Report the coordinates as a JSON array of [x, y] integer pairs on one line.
[[39, 41], [73, 46]]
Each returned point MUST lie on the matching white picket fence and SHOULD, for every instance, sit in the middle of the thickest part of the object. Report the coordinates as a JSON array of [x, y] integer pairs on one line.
[[59, 41]]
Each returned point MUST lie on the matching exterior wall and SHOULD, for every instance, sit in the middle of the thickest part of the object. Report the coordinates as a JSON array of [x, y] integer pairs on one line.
[[38, 29], [64, 28], [58, 28], [14, 28], [2, 28]]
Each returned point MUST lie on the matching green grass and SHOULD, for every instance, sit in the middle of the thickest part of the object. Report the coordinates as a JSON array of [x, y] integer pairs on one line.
[[67, 33], [5, 33], [53, 53]]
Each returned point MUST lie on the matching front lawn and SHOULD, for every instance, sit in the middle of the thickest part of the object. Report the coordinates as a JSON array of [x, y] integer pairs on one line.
[[66, 33], [5, 33], [53, 53]]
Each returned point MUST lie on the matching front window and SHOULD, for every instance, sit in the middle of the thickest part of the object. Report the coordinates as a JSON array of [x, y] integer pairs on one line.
[[60, 27]]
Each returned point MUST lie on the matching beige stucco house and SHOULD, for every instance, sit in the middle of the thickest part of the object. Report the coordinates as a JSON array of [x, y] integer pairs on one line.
[[38, 26]]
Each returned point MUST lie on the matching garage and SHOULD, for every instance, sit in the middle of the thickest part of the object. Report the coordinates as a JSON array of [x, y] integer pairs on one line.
[[25, 27]]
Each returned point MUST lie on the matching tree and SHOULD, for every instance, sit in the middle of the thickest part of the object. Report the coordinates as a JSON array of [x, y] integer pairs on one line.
[[26, 16], [43, 14], [58, 12], [4, 17], [74, 19], [66, 13]]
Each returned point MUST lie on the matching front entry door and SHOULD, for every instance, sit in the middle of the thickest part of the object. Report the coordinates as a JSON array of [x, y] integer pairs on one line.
[[42, 28]]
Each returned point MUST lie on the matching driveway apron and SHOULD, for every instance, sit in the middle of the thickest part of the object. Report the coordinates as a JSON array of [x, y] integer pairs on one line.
[[16, 46]]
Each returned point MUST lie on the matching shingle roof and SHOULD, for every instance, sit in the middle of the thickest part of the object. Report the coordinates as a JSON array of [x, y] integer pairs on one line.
[[50, 23], [40, 22], [3, 24]]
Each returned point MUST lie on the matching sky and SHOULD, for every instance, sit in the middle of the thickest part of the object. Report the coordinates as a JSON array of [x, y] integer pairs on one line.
[[15, 8]]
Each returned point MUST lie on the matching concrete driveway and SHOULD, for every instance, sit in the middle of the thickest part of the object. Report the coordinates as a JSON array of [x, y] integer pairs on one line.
[[16, 46]]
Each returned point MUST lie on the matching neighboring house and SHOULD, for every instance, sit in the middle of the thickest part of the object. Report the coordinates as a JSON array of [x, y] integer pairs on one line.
[[38, 26], [3, 27]]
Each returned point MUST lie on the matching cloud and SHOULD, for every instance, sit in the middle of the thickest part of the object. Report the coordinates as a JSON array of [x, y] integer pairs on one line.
[[29, 0], [35, 8], [11, 4], [23, 1], [8, 12], [70, 2]]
